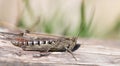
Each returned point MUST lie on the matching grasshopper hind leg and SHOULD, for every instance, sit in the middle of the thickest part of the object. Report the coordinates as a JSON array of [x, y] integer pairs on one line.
[[43, 53]]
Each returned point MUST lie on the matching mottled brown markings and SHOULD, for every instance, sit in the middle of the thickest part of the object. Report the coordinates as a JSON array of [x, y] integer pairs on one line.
[[59, 43]]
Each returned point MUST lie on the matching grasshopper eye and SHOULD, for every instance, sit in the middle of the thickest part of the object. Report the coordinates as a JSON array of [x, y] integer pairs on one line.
[[74, 39]]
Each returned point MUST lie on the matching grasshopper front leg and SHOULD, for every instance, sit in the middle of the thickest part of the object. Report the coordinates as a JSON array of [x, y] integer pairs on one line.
[[68, 50]]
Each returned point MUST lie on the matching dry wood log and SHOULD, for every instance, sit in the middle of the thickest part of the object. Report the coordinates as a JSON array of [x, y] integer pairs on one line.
[[92, 52]]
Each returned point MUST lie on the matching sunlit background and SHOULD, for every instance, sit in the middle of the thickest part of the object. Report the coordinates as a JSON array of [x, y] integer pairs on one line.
[[86, 18]]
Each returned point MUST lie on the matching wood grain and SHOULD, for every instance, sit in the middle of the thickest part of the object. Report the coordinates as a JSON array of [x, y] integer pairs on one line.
[[92, 52]]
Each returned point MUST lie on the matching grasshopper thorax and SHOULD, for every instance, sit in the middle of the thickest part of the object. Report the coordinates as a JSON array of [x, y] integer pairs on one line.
[[65, 43]]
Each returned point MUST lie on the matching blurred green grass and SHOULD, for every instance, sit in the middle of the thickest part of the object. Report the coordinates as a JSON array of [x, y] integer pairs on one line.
[[56, 24], [115, 31], [84, 26]]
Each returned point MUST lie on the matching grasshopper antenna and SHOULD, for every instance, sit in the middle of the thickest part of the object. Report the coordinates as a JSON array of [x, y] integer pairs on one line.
[[77, 36]]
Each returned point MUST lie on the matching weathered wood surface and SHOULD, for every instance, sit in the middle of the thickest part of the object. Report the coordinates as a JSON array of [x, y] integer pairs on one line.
[[92, 52]]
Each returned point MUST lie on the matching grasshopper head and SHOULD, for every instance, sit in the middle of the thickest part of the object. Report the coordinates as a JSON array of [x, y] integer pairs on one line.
[[71, 42]]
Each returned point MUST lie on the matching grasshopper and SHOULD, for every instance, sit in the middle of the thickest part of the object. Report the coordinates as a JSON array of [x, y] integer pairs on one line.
[[41, 42]]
